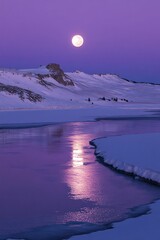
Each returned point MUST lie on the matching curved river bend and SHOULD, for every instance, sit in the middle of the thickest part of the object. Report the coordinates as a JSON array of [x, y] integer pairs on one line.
[[52, 187]]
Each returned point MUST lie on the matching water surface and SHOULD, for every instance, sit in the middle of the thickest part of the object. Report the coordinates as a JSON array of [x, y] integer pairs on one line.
[[51, 184]]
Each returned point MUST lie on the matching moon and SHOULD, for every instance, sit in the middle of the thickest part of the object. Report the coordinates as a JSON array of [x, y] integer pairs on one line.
[[77, 41]]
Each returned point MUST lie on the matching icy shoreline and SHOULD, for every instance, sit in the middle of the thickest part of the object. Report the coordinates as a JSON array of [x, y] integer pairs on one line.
[[136, 155], [39, 117], [144, 227], [111, 151]]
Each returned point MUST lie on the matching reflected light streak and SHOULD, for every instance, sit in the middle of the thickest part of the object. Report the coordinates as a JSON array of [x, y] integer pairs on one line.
[[77, 154], [78, 177]]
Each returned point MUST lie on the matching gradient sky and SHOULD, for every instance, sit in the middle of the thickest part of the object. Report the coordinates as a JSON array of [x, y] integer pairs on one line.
[[121, 36]]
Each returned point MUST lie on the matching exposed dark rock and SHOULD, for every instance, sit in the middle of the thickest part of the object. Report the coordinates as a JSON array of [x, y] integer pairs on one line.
[[54, 67], [43, 82], [131, 81], [102, 98], [124, 99], [114, 99], [57, 74], [21, 92]]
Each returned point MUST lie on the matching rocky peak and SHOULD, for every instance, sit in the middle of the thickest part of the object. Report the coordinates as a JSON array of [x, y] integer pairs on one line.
[[58, 74], [54, 67]]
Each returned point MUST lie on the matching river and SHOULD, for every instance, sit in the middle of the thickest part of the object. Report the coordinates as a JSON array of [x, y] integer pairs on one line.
[[52, 187]]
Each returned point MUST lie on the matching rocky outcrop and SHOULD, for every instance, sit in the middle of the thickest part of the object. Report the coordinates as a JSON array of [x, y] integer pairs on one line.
[[44, 83], [57, 74], [21, 92]]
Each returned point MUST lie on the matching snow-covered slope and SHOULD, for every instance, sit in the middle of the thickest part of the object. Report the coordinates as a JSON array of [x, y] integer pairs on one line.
[[49, 86]]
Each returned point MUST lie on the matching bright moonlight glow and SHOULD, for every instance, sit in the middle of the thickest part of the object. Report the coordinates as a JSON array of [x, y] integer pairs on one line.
[[77, 41]]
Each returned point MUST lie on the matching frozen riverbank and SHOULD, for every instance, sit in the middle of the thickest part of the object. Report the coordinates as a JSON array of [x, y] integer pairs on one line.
[[30, 117], [138, 155]]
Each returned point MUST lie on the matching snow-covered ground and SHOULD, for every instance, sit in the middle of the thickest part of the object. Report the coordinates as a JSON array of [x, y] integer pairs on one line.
[[58, 97], [59, 90], [9, 118]]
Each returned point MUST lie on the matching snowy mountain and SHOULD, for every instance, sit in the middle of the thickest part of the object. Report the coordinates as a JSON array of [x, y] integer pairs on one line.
[[49, 86]]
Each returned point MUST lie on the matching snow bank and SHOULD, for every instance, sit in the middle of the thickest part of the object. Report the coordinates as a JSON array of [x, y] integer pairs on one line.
[[138, 155], [31, 117]]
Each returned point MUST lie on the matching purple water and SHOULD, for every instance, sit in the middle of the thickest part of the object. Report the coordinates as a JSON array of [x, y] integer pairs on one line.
[[51, 185]]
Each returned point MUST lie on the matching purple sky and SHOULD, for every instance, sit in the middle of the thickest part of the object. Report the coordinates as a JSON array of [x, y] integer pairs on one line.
[[121, 36]]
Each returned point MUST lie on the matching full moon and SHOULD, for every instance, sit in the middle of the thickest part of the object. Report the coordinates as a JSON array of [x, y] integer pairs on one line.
[[77, 40]]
